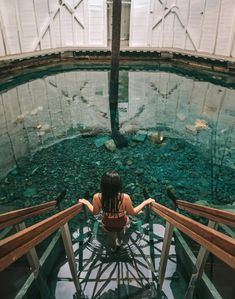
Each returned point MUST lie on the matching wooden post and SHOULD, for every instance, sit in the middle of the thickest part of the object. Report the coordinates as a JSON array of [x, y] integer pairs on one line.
[[119, 140], [165, 253], [32, 256], [36, 268], [66, 236], [198, 267], [114, 73]]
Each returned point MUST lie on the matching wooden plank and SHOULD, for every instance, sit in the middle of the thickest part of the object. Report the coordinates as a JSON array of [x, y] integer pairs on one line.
[[97, 29], [225, 28], [195, 22], [17, 245], [208, 33], [139, 23], [214, 214], [114, 73], [18, 216], [217, 243]]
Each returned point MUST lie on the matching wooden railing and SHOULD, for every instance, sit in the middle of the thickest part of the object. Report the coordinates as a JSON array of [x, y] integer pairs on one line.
[[208, 237], [222, 246], [22, 242], [17, 216], [216, 242], [13, 247], [213, 214]]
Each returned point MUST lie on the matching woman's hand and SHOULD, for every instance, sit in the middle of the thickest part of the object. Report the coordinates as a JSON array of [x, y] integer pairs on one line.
[[87, 204], [83, 200], [149, 201]]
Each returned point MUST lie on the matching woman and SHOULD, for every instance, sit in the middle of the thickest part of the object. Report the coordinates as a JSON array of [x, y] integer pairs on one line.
[[115, 206]]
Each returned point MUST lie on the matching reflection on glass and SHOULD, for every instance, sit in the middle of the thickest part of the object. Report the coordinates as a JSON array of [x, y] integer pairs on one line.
[[43, 111]]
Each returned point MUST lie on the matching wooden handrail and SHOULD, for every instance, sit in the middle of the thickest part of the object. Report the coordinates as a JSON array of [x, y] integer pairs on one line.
[[17, 216], [15, 246], [214, 214], [216, 242]]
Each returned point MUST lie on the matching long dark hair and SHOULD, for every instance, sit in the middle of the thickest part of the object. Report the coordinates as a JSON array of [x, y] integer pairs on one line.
[[111, 187]]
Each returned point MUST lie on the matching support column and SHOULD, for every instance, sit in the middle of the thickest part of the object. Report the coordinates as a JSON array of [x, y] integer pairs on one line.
[[36, 268], [198, 267], [31, 255], [66, 236], [114, 74], [165, 253]]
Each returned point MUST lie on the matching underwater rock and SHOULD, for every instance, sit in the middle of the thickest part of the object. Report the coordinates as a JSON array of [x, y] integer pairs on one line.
[[119, 139], [139, 172], [6, 181], [35, 111], [20, 119], [157, 137], [140, 136], [181, 116], [14, 172], [43, 129], [191, 129], [200, 124], [129, 162], [100, 141], [130, 128], [46, 128], [30, 192], [41, 133], [154, 180], [110, 145]]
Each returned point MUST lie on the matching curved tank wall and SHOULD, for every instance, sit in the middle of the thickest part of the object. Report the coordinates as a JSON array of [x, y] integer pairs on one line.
[[201, 26], [46, 110]]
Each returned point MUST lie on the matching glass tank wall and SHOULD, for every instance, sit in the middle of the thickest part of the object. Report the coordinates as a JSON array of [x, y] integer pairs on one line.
[[190, 113]]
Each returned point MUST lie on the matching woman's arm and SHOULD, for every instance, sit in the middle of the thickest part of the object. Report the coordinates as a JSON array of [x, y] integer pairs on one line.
[[87, 204], [95, 208], [134, 211]]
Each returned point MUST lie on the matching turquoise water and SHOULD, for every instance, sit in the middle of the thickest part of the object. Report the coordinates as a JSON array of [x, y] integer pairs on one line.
[[55, 134], [52, 128]]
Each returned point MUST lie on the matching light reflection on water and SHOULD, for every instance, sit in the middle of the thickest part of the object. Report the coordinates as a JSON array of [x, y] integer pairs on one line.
[[46, 110]]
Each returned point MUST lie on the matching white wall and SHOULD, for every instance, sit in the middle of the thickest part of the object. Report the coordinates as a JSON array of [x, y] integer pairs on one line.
[[30, 25], [197, 25]]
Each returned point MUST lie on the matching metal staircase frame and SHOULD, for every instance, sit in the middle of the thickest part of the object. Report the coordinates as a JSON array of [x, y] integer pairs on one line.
[[221, 245]]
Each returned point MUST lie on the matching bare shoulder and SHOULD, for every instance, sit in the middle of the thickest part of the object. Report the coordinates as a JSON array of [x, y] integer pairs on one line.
[[96, 196], [125, 195], [126, 198]]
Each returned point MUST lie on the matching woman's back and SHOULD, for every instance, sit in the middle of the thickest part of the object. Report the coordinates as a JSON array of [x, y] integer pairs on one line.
[[115, 210]]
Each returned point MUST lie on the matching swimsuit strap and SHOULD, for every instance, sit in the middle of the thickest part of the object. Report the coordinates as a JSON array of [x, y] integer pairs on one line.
[[119, 204]]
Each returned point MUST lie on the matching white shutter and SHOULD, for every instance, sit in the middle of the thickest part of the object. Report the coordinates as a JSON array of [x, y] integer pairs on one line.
[[28, 24], [195, 21], [9, 28], [181, 24], [225, 29], [139, 27], [97, 22], [209, 26]]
